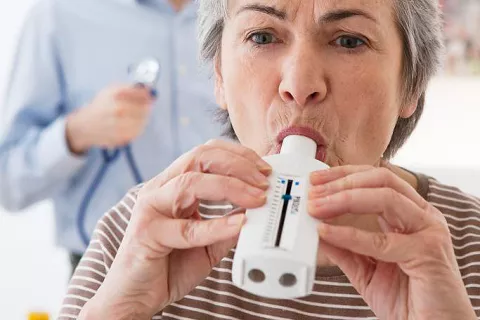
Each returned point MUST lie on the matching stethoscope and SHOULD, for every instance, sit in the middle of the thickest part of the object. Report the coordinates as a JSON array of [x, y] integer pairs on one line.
[[145, 73]]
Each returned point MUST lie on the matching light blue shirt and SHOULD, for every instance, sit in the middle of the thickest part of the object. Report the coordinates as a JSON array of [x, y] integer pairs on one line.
[[69, 51]]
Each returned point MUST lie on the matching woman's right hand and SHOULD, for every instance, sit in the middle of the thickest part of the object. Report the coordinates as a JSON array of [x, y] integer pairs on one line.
[[167, 249]]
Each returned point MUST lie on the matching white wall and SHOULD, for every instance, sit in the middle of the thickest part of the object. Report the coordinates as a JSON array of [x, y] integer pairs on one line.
[[34, 272], [448, 134], [446, 143]]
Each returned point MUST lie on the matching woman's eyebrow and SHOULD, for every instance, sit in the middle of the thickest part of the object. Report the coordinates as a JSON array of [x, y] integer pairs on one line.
[[328, 17], [282, 15], [342, 14]]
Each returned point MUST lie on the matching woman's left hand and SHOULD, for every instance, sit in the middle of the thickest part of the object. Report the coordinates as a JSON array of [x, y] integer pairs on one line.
[[406, 270]]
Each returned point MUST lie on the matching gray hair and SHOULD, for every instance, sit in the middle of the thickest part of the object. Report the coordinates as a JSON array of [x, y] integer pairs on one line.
[[420, 25]]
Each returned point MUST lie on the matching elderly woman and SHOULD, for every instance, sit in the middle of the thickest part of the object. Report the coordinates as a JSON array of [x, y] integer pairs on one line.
[[350, 74]]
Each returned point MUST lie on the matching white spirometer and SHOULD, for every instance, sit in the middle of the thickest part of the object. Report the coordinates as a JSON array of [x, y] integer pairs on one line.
[[276, 255]]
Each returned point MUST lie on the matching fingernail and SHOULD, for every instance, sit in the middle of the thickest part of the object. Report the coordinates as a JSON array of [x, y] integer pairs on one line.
[[256, 192], [236, 220], [319, 177], [318, 190], [311, 207], [261, 180], [264, 167], [319, 202], [318, 174], [323, 229]]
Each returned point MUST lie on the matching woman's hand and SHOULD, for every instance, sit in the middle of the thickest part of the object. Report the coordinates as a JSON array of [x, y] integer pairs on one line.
[[167, 249], [408, 269]]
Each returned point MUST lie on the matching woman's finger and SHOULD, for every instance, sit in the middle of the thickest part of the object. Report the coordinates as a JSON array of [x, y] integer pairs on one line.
[[358, 269], [241, 150], [227, 163], [387, 247], [321, 177], [401, 213], [360, 179], [219, 250], [187, 233], [219, 157], [179, 195]]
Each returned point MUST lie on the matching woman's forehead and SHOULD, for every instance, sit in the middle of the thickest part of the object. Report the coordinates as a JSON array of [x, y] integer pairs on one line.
[[377, 10]]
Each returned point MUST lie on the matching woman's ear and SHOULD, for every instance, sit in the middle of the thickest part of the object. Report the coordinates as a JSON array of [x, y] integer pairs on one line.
[[409, 109], [219, 88]]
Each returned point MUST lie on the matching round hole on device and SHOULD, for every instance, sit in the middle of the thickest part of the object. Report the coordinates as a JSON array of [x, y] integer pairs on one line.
[[256, 275], [288, 280]]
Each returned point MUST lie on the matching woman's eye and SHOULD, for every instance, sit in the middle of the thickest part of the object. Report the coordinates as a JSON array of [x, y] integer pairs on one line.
[[349, 42], [262, 38]]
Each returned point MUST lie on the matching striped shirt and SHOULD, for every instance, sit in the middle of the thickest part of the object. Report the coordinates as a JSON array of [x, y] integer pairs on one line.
[[217, 298]]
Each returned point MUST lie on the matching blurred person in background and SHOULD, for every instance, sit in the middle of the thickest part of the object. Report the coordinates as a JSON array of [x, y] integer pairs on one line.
[[72, 104]]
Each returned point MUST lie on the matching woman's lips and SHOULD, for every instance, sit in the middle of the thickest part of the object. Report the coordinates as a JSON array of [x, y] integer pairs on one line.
[[306, 132]]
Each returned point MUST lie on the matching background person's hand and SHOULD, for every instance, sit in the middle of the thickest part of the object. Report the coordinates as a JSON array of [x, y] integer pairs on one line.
[[408, 270], [115, 117], [167, 249]]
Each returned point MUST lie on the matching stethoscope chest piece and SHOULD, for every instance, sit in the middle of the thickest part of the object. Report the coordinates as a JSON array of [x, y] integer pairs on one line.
[[145, 72]]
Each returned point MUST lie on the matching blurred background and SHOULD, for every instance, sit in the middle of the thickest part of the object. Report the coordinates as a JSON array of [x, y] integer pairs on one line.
[[34, 273]]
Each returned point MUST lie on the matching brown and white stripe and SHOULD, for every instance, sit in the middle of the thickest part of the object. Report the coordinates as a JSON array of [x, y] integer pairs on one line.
[[217, 298]]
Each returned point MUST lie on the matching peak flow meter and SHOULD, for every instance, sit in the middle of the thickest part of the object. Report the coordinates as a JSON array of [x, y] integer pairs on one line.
[[276, 256]]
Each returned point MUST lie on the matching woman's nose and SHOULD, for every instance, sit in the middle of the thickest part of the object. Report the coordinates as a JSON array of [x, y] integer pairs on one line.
[[303, 80]]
